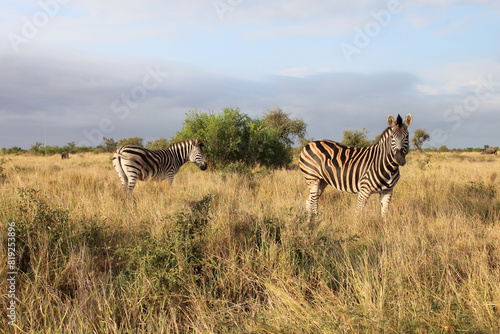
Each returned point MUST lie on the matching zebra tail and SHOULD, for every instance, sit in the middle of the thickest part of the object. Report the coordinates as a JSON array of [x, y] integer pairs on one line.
[[126, 157]]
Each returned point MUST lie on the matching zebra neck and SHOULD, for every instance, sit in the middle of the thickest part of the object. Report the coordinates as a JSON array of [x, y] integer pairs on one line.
[[388, 156], [180, 153]]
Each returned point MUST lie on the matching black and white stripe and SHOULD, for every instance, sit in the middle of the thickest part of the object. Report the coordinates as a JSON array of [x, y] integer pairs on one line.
[[134, 163], [362, 171]]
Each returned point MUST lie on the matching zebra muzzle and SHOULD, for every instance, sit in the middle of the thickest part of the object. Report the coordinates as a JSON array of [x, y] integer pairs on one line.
[[400, 158]]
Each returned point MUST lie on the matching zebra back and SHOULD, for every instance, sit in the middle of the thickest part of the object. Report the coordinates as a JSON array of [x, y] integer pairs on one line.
[[339, 165]]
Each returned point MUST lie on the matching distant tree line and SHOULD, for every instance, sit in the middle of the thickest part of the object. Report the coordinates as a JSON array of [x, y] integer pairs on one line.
[[359, 138], [233, 138]]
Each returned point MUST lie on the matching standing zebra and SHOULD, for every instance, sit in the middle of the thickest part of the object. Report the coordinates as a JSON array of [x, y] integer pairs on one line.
[[133, 162], [363, 171]]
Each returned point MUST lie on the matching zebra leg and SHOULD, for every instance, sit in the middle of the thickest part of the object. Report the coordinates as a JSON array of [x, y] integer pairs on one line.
[[170, 179], [385, 199], [132, 179], [316, 188], [131, 175], [363, 196]]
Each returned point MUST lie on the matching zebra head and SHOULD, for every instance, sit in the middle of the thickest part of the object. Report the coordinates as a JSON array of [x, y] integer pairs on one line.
[[197, 156], [399, 137]]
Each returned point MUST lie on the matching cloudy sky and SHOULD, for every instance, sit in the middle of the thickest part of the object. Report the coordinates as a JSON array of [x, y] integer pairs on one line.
[[80, 70]]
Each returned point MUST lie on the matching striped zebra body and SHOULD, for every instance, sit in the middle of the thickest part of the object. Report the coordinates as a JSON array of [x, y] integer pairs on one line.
[[362, 171], [134, 163]]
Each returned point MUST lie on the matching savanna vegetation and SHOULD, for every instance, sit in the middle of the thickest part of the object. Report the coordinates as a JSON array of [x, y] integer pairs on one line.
[[227, 252]]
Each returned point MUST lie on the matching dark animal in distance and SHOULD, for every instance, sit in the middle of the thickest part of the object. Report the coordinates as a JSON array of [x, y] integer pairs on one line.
[[490, 150], [65, 155]]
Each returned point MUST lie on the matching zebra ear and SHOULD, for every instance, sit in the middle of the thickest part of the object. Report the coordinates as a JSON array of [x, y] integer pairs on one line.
[[198, 142], [408, 120], [391, 121]]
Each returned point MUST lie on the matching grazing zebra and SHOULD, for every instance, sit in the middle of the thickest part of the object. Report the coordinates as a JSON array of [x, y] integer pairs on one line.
[[65, 155], [363, 171], [133, 162]]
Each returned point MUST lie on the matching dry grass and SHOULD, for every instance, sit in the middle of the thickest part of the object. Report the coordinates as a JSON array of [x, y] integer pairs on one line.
[[226, 253]]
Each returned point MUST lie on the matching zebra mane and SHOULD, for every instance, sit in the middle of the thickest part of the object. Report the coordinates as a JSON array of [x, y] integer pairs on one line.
[[399, 121], [384, 135], [192, 141]]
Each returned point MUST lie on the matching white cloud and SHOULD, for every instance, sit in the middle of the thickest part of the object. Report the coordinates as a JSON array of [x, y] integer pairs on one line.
[[460, 78], [92, 53]]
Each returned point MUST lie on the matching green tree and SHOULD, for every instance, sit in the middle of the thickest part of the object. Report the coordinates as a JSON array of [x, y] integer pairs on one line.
[[233, 137], [266, 146], [109, 144], [420, 136], [356, 138], [224, 134], [158, 144], [36, 148], [130, 141], [289, 129], [443, 148], [70, 147], [13, 150]]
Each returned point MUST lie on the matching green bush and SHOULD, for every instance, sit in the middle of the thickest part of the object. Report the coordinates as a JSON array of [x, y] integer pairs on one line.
[[136, 141], [233, 137], [356, 138], [158, 144]]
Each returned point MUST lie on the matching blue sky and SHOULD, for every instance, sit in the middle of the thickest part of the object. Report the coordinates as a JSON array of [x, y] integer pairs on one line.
[[80, 70]]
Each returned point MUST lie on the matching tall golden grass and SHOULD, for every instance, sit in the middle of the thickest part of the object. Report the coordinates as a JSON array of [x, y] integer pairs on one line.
[[230, 253]]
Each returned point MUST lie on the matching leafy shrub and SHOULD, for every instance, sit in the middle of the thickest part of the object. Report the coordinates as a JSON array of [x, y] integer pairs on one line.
[[174, 258], [356, 138], [39, 224], [232, 137], [3, 177], [137, 141], [158, 144]]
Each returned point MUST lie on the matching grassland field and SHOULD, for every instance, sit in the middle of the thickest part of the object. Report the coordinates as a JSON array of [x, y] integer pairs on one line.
[[221, 252]]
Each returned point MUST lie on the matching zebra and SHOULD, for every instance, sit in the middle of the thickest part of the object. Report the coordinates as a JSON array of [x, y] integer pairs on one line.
[[362, 171], [65, 155], [134, 162]]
